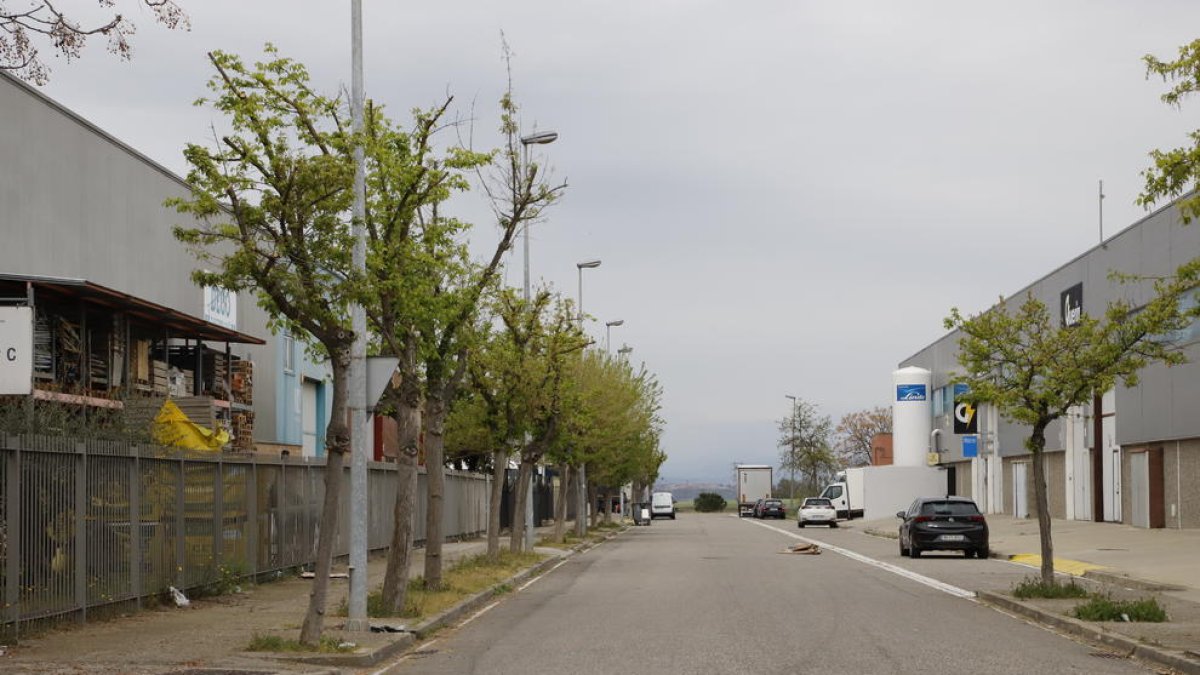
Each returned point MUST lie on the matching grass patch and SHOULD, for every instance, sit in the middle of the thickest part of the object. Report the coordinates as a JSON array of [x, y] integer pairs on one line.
[[276, 643], [462, 580], [1032, 587], [1104, 608]]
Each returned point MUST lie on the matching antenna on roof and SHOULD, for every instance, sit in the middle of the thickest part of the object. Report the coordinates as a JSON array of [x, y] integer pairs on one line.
[[1101, 206]]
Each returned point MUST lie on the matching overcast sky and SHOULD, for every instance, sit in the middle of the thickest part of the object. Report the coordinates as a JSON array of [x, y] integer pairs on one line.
[[787, 196]]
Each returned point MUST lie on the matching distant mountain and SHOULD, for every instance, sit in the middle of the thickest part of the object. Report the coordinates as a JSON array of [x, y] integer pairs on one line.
[[686, 491]]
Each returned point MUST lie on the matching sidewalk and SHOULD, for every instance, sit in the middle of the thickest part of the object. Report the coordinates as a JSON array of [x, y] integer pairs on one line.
[[1126, 562], [213, 632], [1169, 558]]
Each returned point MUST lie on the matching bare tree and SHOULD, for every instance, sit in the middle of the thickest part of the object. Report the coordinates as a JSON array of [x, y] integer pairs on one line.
[[31, 21], [855, 432]]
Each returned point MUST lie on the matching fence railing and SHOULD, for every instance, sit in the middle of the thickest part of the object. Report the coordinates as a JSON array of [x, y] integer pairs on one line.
[[87, 524]]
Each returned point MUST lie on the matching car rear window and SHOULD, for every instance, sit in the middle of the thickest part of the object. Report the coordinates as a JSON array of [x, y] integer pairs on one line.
[[949, 509], [773, 502], [816, 502]]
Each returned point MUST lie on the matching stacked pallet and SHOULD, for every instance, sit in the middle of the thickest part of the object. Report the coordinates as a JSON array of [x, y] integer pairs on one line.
[[216, 374], [243, 431], [162, 378], [243, 381]]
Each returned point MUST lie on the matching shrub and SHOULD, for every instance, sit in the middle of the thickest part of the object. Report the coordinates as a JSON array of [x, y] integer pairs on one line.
[[709, 502], [1032, 587], [1104, 608]]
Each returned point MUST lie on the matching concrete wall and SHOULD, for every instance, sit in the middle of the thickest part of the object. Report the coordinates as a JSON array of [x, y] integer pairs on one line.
[[74, 202]]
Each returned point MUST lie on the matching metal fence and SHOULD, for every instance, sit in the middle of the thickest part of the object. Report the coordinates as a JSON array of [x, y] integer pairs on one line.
[[88, 524]]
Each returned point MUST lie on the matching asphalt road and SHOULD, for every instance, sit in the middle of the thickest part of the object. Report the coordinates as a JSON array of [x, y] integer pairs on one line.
[[714, 594]]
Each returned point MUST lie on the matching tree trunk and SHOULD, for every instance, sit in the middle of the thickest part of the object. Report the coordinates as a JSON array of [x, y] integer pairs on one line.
[[1037, 443], [337, 443], [408, 423], [560, 506], [435, 479], [581, 504], [516, 540], [499, 473], [593, 494]]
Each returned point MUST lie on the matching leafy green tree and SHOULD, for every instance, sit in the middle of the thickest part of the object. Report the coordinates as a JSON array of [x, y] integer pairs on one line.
[[1176, 171], [805, 446], [271, 202], [411, 251], [1033, 371]]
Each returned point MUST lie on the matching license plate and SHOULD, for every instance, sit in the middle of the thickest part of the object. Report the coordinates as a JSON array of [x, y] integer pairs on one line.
[[952, 537]]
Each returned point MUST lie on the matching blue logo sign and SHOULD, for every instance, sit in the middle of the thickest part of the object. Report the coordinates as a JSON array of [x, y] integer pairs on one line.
[[910, 392], [970, 446]]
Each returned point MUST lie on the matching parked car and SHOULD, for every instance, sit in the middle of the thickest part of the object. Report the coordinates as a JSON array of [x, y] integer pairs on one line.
[[662, 505], [770, 508], [816, 510], [943, 524]]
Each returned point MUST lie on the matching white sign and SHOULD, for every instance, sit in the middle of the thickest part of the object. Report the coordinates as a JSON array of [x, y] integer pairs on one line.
[[220, 306], [16, 351]]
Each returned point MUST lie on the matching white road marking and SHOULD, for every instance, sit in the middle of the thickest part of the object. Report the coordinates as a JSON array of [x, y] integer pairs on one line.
[[894, 569], [538, 578]]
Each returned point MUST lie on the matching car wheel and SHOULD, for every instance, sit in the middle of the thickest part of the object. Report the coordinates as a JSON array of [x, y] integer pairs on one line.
[[914, 552], [903, 551], [983, 552], [800, 524], [672, 516], [833, 523], [968, 553]]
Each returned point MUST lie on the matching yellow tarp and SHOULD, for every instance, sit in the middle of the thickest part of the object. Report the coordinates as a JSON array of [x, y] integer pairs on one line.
[[172, 427], [1072, 567]]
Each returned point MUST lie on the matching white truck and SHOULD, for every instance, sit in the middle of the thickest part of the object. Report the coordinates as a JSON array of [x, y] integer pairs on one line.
[[880, 491], [754, 482]]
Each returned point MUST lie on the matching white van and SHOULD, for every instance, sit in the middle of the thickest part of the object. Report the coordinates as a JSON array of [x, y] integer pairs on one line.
[[662, 504]]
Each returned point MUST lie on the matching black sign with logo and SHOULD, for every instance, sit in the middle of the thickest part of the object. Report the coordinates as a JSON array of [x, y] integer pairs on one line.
[[1072, 305]]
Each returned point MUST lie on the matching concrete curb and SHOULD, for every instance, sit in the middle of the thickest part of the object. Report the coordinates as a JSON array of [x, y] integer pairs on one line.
[[1092, 633], [1124, 581], [405, 641]]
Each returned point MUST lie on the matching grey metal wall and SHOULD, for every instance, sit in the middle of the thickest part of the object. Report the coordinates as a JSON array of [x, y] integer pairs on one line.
[[83, 525], [1162, 406], [74, 202]]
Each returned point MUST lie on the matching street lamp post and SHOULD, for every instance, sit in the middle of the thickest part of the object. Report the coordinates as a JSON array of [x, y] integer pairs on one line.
[[581, 500], [792, 462], [608, 332], [538, 138]]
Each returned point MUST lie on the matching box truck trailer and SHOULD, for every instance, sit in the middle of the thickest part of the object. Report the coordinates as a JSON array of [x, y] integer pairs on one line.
[[754, 482], [880, 491]]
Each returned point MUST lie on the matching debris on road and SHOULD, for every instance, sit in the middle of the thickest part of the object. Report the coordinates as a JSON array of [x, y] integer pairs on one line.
[[803, 549], [178, 596]]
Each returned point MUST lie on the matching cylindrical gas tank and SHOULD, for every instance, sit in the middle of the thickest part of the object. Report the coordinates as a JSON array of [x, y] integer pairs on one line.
[[912, 416]]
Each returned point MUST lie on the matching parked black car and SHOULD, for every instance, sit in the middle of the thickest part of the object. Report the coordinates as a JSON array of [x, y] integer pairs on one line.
[[943, 524], [770, 508]]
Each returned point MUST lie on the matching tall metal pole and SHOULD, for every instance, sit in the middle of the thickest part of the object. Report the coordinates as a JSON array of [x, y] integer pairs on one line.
[[1100, 202], [357, 614], [532, 470], [581, 498], [792, 459]]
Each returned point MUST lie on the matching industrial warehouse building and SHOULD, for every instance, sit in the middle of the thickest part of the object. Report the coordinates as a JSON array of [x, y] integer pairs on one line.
[[1132, 455], [89, 246]]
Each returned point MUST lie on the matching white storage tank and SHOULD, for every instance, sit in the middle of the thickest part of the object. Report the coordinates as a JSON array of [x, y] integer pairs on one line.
[[912, 416]]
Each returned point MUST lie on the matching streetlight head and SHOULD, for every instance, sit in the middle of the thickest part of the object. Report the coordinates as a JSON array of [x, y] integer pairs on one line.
[[588, 264], [789, 396], [540, 138], [618, 322]]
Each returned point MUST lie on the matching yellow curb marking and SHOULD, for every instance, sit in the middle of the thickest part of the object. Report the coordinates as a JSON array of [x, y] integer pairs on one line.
[[1072, 567]]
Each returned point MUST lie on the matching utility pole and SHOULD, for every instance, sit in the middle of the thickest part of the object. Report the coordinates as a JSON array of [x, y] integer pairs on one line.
[[357, 610], [792, 458]]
